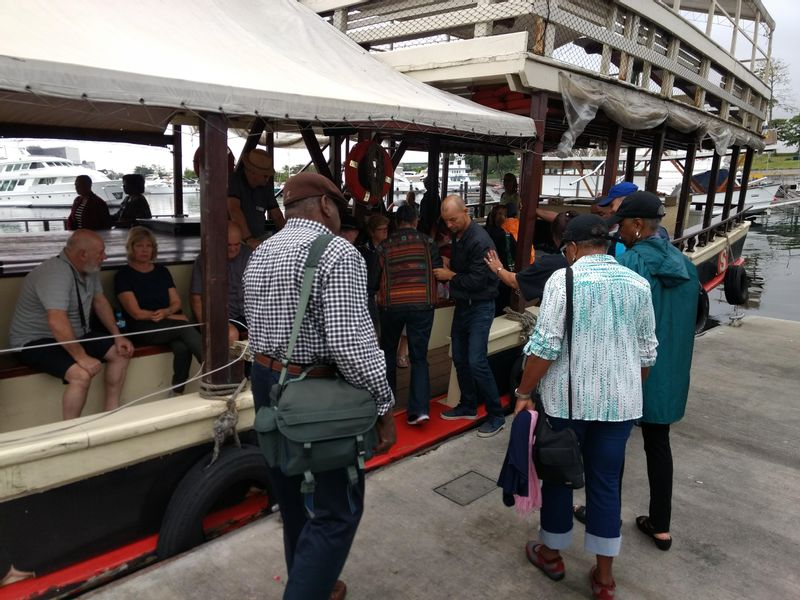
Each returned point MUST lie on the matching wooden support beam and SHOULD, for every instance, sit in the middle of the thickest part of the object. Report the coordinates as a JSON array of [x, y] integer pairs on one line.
[[445, 174], [686, 192], [271, 149], [530, 185], [14, 130], [336, 158], [711, 194], [213, 228], [433, 164], [654, 171], [630, 164], [177, 171], [612, 158], [748, 164], [484, 177], [317, 157], [731, 183], [256, 129], [397, 156]]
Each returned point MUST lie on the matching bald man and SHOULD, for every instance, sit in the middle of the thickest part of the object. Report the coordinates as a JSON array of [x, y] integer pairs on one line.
[[238, 255], [474, 288], [55, 307]]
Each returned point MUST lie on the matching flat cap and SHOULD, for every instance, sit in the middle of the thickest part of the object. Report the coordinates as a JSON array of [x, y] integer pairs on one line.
[[310, 185]]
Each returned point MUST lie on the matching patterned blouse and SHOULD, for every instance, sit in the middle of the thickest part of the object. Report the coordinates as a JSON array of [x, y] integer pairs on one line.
[[613, 338]]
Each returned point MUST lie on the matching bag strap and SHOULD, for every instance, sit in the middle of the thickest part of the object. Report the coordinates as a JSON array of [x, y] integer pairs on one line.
[[568, 333], [314, 254], [80, 303]]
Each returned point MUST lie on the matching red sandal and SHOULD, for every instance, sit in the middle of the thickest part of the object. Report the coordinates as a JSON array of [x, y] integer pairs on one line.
[[553, 568], [601, 591]]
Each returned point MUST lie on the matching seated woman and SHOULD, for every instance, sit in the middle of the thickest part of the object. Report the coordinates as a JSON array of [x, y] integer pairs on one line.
[[135, 205], [150, 301]]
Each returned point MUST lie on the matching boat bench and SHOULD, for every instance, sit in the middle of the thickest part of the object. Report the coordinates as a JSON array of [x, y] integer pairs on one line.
[[10, 366]]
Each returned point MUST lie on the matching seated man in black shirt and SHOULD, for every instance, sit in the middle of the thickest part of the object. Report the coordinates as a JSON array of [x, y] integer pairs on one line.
[[530, 281]]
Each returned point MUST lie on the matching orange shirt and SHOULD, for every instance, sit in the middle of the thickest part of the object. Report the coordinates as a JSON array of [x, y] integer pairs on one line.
[[511, 225]]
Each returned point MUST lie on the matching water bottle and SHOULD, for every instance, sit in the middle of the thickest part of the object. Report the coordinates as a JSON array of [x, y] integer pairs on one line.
[[120, 320]]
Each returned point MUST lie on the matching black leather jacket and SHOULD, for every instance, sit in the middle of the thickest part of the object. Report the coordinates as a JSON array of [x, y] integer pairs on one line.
[[474, 280]]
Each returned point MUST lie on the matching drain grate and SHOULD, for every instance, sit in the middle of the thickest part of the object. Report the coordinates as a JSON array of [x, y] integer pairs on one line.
[[467, 488]]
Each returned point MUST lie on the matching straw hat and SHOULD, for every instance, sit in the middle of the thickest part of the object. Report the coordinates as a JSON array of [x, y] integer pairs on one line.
[[259, 161]]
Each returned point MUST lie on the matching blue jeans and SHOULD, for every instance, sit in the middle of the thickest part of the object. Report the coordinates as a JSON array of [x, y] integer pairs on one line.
[[469, 338], [315, 548], [603, 448], [418, 324]]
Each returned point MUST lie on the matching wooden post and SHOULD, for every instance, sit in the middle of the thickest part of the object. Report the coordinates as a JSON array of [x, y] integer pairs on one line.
[[314, 150], [612, 159], [433, 164], [686, 192], [726, 210], [748, 163], [336, 159], [711, 194], [482, 193], [530, 185], [256, 129], [445, 174], [653, 172], [271, 149], [630, 164], [214, 232], [177, 171]]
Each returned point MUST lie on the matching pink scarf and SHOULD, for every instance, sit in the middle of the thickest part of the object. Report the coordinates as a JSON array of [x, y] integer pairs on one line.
[[525, 505]]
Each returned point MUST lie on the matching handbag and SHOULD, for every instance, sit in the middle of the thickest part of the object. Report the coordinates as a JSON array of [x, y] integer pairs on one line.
[[557, 454], [315, 424]]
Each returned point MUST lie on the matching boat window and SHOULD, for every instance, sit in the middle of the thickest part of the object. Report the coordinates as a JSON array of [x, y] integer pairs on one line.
[[22, 182], [67, 180], [3, 186], [9, 167], [52, 164], [46, 181], [9, 185], [26, 166], [37, 165], [17, 167]]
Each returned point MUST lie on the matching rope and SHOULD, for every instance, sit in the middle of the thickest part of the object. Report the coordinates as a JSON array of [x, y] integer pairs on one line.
[[526, 320], [99, 337]]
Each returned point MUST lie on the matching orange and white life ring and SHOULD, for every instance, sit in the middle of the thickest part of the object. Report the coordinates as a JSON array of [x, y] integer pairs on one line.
[[368, 172]]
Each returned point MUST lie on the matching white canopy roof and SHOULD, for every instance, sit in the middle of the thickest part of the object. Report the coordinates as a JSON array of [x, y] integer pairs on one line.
[[134, 65]]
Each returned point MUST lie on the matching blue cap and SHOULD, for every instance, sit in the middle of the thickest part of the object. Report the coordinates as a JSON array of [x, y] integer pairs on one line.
[[619, 190]]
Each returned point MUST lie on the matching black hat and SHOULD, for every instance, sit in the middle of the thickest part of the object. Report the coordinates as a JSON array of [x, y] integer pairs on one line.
[[585, 227], [642, 205], [349, 222]]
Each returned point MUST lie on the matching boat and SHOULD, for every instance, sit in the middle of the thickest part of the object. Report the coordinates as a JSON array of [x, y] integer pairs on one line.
[[155, 185], [86, 501], [34, 186]]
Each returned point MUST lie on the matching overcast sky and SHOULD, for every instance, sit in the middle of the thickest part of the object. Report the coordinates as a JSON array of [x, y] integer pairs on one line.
[[124, 157]]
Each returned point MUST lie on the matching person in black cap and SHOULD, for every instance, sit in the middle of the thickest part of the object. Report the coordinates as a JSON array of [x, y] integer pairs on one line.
[[337, 332], [613, 345], [675, 289]]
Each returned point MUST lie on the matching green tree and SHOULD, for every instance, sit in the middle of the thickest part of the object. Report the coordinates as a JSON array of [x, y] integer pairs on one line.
[[789, 130], [143, 170], [189, 174], [775, 73]]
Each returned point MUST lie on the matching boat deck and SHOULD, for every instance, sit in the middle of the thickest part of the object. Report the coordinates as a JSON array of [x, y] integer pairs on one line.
[[415, 543]]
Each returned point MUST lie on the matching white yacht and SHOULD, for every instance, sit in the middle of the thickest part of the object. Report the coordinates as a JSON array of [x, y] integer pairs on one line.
[[34, 187]]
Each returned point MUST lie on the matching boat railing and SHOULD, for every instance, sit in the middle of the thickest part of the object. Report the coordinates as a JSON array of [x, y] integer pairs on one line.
[[699, 236], [46, 223], [657, 46]]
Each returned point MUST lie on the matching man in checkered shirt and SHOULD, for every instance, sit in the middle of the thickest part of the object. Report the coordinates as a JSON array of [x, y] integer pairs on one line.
[[336, 331]]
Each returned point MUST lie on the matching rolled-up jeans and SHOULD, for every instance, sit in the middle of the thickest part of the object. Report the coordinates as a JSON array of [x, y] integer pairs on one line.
[[603, 449]]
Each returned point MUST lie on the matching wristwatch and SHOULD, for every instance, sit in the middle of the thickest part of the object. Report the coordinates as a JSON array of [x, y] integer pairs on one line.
[[522, 396]]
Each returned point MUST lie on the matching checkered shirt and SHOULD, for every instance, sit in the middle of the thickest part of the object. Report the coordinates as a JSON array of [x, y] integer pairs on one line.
[[337, 329]]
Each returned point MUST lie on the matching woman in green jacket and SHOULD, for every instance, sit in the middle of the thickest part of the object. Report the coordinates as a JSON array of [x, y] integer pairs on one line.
[[675, 289]]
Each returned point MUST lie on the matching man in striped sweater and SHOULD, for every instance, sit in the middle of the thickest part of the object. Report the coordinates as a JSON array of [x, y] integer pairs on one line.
[[407, 298]]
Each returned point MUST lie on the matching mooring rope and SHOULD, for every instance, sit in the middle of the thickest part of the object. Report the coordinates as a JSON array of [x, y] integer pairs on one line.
[[526, 320]]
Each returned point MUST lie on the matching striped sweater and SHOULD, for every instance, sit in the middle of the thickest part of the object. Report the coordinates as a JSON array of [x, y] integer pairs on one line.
[[405, 271]]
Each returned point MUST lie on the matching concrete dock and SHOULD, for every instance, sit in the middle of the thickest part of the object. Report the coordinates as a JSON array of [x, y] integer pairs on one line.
[[736, 507]]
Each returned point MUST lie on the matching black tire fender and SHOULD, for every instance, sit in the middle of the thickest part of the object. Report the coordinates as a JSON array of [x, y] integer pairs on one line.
[[736, 285], [703, 307], [182, 525]]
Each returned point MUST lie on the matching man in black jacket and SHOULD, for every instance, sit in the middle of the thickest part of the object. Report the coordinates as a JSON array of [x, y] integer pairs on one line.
[[474, 288]]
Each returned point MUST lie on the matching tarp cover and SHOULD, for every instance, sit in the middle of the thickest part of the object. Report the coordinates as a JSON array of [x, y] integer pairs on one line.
[[121, 64], [636, 110]]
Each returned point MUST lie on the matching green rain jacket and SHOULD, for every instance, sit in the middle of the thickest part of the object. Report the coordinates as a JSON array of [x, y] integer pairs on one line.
[[675, 289]]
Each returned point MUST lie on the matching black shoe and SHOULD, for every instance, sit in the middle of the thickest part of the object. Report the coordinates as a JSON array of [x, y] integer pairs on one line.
[[646, 527], [579, 512]]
